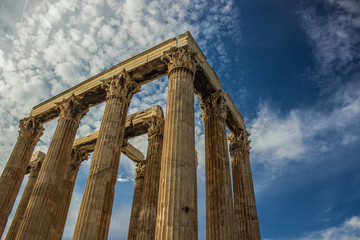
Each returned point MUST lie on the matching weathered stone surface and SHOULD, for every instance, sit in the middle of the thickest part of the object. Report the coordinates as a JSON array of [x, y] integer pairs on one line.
[[247, 224], [134, 126], [34, 158], [139, 187], [176, 210], [88, 142], [177, 204], [143, 68], [45, 196], [66, 189], [13, 174], [96, 206], [81, 149], [148, 210], [33, 168], [133, 153], [219, 201]]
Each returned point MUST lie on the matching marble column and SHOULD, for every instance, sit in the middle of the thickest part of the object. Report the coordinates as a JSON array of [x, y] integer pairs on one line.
[[67, 186], [33, 169], [177, 204], [247, 224], [13, 174], [219, 201], [95, 211], [46, 193], [139, 187], [149, 199]]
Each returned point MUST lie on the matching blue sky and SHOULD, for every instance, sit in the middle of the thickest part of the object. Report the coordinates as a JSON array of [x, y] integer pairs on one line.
[[291, 67]]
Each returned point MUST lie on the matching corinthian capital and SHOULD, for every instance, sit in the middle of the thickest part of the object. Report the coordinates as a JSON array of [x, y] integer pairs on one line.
[[213, 105], [77, 156], [73, 109], [180, 58], [35, 165], [239, 141], [155, 126], [30, 127], [121, 86], [140, 169]]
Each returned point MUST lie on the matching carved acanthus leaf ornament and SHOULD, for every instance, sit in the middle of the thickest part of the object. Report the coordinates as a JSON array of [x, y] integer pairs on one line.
[[140, 169], [180, 58], [121, 86], [35, 166], [77, 156], [155, 126], [31, 128], [73, 109], [213, 105], [239, 141]]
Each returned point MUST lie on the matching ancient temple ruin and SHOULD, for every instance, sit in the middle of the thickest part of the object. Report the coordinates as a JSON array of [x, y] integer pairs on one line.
[[165, 197]]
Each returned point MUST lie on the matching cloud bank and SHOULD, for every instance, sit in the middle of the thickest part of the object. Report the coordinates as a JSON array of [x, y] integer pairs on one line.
[[349, 230], [332, 29]]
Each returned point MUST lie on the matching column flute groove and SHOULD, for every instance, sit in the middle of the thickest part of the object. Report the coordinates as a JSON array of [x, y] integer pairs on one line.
[[135, 210], [247, 224], [33, 169], [78, 155], [44, 198], [177, 205], [13, 174], [96, 206], [219, 201], [148, 209]]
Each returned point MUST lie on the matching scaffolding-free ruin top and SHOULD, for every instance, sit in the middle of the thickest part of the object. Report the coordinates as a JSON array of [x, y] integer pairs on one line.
[[143, 68]]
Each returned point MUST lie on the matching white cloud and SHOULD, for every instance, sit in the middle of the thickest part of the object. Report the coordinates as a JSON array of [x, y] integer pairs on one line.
[[349, 230], [333, 34], [122, 179], [281, 137], [278, 138]]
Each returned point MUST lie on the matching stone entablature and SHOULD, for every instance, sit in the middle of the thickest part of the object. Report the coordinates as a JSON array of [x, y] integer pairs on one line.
[[143, 68]]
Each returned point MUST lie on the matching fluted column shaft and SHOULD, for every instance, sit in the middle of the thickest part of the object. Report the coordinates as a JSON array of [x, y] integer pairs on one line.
[[177, 204], [149, 199], [219, 201], [66, 188], [35, 166], [247, 224], [95, 211], [139, 187], [44, 198], [15, 169]]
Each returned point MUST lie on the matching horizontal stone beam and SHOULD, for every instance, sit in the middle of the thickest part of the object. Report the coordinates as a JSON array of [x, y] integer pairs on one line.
[[207, 82], [145, 67], [88, 142], [129, 150], [133, 153], [135, 125], [36, 155]]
